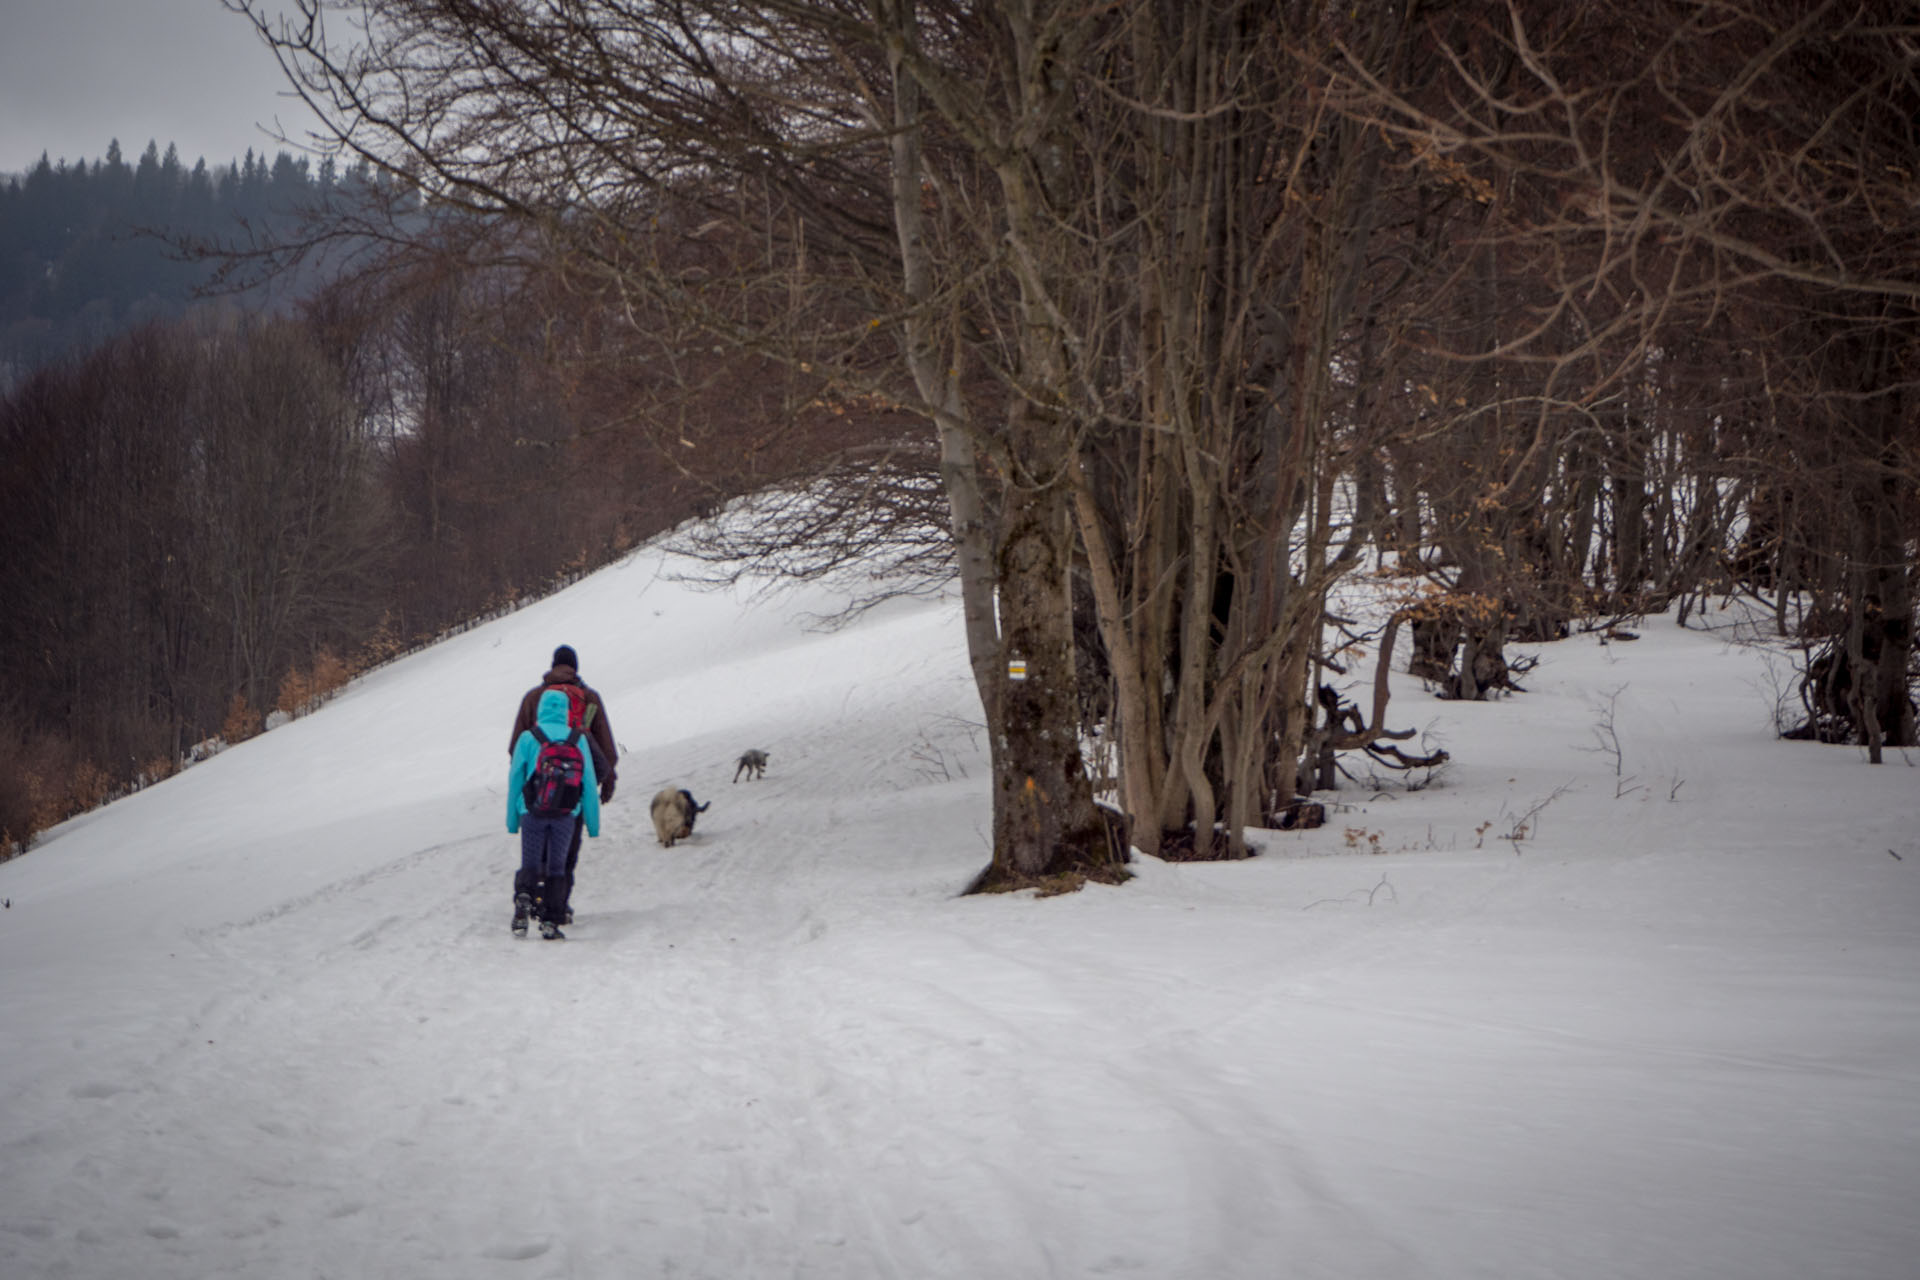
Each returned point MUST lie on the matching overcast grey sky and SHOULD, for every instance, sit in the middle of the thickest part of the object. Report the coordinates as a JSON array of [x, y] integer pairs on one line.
[[76, 74]]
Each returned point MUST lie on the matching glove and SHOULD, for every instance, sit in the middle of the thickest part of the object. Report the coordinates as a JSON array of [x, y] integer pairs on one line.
[[606, 790]]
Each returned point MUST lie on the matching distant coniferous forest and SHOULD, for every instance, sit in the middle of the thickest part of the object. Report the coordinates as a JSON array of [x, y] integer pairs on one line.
[[91, 249]]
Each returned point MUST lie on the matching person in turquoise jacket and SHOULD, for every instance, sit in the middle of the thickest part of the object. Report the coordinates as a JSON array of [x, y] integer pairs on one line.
[[544, 839]]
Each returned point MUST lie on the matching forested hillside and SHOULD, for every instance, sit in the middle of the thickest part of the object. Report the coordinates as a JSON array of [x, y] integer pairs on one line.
[[214, 513]]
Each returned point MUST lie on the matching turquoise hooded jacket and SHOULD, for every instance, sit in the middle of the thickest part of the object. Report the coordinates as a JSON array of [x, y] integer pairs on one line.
[[552, 719]]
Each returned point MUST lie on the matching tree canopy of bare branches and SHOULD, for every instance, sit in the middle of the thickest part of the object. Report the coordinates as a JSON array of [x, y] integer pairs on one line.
[[1199, 299]]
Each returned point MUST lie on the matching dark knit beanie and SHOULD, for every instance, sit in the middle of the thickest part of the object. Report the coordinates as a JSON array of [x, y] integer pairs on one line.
[[564, 656]]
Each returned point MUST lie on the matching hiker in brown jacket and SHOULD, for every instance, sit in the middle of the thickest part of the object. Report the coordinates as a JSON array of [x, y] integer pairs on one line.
[[585, 710]]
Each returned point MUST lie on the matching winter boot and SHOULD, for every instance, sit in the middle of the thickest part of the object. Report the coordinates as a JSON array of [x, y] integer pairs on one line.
[[522, 910], [551, 931], [559, 898]]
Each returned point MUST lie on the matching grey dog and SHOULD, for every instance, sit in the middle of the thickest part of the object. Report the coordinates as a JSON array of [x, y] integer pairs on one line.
[[753, 763]]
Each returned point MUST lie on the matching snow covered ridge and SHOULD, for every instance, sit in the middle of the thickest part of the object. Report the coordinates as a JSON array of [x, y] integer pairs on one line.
[[267, 1019]]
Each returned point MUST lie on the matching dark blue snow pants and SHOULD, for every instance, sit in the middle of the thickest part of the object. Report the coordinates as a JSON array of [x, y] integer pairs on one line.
[[543, 863]]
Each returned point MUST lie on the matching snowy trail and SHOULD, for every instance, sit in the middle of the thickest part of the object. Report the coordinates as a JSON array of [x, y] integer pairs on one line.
[[720, 1043]]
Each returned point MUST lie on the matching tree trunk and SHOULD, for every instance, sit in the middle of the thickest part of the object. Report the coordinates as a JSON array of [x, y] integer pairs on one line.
[[937, 380], [1044, 818], [1880, 596]]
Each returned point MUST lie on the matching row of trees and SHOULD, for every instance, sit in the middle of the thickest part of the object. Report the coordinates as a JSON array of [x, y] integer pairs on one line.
[[1562, 305], [185, 511], [1689, 320]]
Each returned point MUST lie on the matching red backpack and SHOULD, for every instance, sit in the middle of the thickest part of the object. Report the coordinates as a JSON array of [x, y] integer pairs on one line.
[[554, 787], [579, 710]]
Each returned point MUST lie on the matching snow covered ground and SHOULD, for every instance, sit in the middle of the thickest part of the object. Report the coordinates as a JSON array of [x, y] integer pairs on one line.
[[266, 1019]]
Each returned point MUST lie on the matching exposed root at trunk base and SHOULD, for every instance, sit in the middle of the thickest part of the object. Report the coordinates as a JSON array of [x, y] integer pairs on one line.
[[1100, 857], [1048, 886]]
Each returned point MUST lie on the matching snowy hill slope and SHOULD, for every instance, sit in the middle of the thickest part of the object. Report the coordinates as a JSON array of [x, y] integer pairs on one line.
[[266, 1018]]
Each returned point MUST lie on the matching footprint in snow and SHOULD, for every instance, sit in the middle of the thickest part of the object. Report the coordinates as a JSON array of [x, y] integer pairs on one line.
[[98, 1089], [518, 1252]]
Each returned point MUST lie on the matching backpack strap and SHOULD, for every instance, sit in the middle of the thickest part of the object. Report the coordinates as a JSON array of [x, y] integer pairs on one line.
[[538, 736]]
